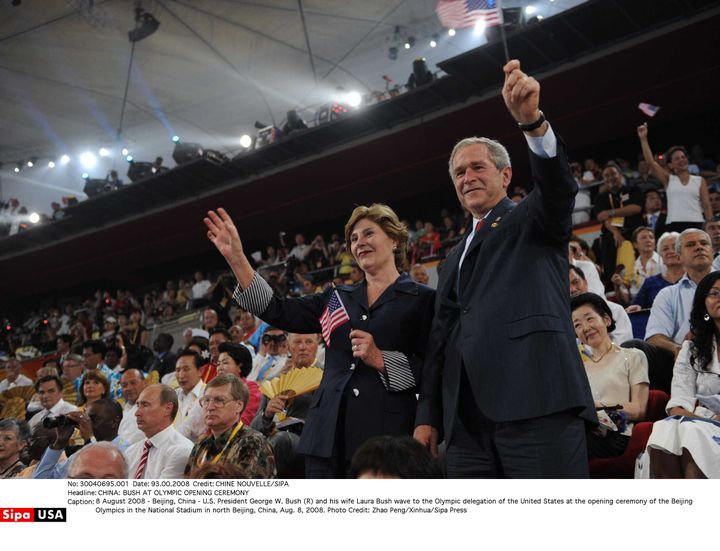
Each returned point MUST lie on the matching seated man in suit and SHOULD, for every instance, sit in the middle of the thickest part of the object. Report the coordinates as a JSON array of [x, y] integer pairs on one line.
[[303, 353]]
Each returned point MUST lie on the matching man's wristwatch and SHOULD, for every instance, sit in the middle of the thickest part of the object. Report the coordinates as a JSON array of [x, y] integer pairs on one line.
[[533, 125]]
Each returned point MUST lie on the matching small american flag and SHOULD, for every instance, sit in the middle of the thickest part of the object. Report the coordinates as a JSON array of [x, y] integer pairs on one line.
[[459, 14], [649, 109], [333, 316]]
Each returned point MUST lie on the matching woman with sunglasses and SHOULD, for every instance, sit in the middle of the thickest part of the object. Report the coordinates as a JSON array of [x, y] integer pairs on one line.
[[375, 334]]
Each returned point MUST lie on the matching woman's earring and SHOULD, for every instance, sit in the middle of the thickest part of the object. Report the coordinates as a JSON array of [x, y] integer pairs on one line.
[[706, 317]]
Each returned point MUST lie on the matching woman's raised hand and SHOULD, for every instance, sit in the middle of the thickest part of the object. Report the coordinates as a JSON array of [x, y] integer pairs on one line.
[[642, 130], [224, 235]]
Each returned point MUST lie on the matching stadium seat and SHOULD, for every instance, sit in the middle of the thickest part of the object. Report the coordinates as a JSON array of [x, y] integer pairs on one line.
[[623, 466]]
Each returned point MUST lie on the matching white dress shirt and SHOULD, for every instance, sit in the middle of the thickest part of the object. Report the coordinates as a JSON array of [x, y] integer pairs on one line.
[[276, 368], [128, 428], [61, 408], [20, 380], [186, 403], [167, 458]]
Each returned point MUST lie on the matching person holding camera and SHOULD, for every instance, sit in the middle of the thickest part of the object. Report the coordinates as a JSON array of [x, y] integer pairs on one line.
[[49, 392], [270, 362], [100, 423]]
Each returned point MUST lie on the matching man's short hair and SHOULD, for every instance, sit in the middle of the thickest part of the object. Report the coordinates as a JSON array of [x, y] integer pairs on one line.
[[240, 355], [168, 338], [47, 378], [714, 220], [73, 357], [681, 237], [98, 347], [391, 456], [499, 155], [109, 446], [111, 405], [222, 330], [66, 338], [168, 395], [238, 389], [191, 354]]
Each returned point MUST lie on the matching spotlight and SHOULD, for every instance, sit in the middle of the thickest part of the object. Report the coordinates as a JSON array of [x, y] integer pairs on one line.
[[125, 151], [88, 160], [245, 141], [176, 139], [145, 25], [85, 176], [18, 167], [354, 99], [451, 32], [433, 44], [103, 152], [392, 53], [479, 27], [529, 10], [407, 45], [129, 158], [65, 159], [34, 218], [51, 164]]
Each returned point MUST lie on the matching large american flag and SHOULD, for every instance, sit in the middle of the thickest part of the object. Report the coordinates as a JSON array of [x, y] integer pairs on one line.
[[333, 316], [458, 14]]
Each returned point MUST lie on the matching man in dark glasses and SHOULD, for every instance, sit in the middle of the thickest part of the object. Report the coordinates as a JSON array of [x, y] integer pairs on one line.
[[270, 362]]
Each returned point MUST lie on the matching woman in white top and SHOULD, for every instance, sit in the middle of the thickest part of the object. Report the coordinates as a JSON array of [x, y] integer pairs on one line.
[[686, 444], [688, 200], [618, 376]]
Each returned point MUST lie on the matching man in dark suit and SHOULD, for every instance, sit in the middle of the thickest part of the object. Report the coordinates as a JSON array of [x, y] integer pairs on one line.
[[503, 377]]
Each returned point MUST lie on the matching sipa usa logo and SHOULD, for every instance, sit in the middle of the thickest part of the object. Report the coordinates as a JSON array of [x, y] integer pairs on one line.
[[38, 514]]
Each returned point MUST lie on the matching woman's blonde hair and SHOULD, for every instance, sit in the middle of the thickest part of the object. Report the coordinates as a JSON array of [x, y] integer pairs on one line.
[[386, 218]]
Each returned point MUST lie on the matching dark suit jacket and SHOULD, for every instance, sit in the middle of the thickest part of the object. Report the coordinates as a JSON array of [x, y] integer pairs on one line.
[[163, 365], [511, 327], [352, 399]]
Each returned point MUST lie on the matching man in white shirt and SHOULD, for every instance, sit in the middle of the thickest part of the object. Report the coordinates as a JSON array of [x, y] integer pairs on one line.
[[270, 362], [188, 372], [13, 376], [49, 391], [165, 451], [623, 327], [200, 287], [300, 249], [132, 383]]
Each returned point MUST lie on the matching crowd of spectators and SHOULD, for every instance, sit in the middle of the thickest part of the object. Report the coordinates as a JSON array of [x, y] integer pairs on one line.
[[637, 279]]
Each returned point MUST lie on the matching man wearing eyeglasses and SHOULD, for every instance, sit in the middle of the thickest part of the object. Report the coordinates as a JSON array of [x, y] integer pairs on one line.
[[228, 439], [273, 354]]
